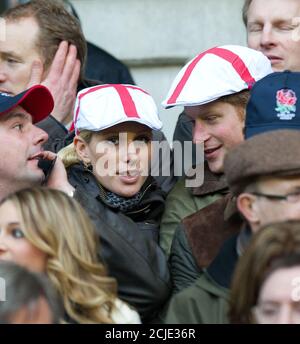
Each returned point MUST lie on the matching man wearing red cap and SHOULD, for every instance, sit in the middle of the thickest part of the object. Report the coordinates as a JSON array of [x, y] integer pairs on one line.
[[21, 142], [45, 44]]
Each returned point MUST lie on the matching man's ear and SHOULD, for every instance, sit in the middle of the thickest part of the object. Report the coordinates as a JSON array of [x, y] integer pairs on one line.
[[247, 205], [82, 149]]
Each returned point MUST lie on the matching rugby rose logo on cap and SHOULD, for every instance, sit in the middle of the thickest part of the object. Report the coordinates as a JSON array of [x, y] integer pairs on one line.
[[286, 104]]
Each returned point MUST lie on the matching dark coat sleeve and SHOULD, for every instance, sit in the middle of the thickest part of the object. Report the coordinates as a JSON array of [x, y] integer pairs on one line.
[[184, 129], [163, 164], [103, 66], [58, 134], [138, 263], [184, 269], [184, 132]]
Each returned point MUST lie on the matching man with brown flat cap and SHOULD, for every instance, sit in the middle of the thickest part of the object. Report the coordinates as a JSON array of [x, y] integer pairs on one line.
[[263, 174]]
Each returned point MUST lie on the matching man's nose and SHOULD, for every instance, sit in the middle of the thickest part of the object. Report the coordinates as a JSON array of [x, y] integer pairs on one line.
[[200, 133], [39, 136], [267, 37], [3, 76], [3, 247], [285, 316]]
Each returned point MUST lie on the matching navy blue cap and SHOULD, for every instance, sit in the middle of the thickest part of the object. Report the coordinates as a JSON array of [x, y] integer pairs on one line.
[[37, 101], [274, 104]]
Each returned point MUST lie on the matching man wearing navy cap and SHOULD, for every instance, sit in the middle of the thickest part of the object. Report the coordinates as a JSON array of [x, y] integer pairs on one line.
[[274, 104], [21, 142]]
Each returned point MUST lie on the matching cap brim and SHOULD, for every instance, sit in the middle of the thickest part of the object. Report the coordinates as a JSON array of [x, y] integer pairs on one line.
[[125, 120], [37, 101], [141, 121], [252, 131], [193, 103]]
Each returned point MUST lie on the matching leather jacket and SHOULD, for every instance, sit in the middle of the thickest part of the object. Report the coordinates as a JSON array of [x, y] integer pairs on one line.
[[128, 242]]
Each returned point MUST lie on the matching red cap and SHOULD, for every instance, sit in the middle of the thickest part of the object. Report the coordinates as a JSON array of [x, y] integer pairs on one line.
[[37, 101]]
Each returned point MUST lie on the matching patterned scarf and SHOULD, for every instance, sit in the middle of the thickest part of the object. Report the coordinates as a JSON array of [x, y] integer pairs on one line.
[[124, 204]]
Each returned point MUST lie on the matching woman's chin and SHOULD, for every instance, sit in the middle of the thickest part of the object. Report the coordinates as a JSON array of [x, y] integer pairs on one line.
[[128, 190], [124, 187]]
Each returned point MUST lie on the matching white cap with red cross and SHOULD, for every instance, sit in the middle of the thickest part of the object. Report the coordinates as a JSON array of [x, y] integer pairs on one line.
[[101, 107], [215, 73]]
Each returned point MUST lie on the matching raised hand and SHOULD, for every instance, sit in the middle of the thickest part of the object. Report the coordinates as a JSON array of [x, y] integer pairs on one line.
[[61, 79]]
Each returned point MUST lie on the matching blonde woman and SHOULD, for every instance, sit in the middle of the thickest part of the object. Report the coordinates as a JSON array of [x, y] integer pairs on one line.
[[48, 232], [108, 165]]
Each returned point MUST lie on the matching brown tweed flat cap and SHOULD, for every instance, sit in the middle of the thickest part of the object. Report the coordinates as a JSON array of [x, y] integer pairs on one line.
[[271, 153]]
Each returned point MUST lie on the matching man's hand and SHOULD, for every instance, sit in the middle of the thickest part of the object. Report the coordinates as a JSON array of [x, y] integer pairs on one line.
[[58, 177], [61, 80]]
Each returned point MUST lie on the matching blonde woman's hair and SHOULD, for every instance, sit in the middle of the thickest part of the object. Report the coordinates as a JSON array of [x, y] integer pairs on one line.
[[58, 226], [68, 154]]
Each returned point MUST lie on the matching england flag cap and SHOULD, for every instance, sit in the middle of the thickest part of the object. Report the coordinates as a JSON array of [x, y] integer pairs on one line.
[[215, 73], [101, 107]]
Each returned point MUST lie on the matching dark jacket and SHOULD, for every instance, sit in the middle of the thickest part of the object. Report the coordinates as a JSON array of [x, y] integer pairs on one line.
[[207, 300], [127, 243], [59, 137], [103, 66], [199, 238], [184, 132]]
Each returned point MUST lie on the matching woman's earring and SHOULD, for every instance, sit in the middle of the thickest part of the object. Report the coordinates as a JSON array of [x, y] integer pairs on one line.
[[88, 166]]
